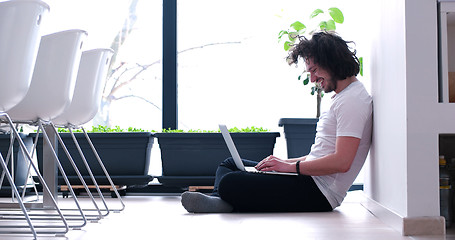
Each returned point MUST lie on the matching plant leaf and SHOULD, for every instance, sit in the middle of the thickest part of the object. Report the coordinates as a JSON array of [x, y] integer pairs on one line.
[[330, 25], [301, 32], [315, 13], [287, 45], [307, 80], [336, 15], [361, 65], [323, 25], [293, 36], [282, 32], [298, 26]]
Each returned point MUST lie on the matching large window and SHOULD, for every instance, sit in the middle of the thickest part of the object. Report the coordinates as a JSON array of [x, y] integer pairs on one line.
[[133, 28], [231, 67]]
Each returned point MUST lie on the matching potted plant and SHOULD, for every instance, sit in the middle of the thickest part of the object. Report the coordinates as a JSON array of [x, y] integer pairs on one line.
[[125, 154], [21, 163], [300, 132], [190, 158]]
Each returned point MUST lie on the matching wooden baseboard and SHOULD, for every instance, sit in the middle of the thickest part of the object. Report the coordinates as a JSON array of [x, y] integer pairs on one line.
[[417, 226], [407, 226]]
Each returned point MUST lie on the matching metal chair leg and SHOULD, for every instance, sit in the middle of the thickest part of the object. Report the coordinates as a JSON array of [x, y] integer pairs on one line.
[[35, 143], [73, 164], [9, 156], [92, 177], [83, 216], [20, 202], [104, 170], [62, 171]]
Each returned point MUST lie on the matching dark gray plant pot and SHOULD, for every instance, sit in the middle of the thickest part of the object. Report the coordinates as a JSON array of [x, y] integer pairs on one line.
[[125, 155], [192, 158], [299, 134], [20, 162]]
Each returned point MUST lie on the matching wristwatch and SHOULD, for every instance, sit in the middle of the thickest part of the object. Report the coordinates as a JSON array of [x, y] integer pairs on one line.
[[297, 167]]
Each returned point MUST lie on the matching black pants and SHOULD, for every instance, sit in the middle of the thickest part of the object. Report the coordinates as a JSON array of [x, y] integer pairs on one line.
[[257, 192]]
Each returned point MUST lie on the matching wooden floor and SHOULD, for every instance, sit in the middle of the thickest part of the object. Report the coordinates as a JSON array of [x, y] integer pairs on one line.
[[163, 217]]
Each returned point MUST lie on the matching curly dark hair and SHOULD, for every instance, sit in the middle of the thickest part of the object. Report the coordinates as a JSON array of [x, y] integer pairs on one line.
[[329, 51]]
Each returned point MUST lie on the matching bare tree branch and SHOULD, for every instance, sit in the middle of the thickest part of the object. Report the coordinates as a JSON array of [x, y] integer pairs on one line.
[[113, 71], [208, 45], [139, 97], [115, 88], [120, 77], [123, 33]]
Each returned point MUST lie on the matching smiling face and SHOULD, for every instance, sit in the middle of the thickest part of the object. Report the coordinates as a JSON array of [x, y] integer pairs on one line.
[[321, 76]]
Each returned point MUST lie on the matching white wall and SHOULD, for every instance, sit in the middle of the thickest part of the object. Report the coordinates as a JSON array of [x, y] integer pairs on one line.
[[402, 174], [422, 99], [386, 175]]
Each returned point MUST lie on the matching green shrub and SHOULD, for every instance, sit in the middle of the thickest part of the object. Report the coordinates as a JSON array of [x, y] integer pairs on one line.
[[104, 129], [235, 129]]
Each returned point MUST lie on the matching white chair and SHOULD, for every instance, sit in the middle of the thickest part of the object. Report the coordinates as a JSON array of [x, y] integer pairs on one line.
[[91, 78], [51, 92], [54, 78], [20, 23], [85, 104]]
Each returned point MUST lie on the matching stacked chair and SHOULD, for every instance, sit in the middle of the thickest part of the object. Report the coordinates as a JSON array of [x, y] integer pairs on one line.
[[20, 23], [51, 90], [46, 80], [85, 105]]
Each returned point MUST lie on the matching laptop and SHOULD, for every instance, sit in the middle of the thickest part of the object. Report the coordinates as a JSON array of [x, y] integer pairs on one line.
[[235, 154]]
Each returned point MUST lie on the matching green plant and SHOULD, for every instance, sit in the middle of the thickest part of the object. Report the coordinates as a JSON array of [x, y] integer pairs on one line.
[[318, 17], [318, 20], [105, 129], [235, 129], [187, 131]]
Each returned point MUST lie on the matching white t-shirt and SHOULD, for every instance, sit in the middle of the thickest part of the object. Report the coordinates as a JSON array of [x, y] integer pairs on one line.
[[350, 114]]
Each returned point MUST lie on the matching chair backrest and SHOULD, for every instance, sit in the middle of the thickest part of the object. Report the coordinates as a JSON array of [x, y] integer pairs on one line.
[[54, 77], [91, 78], [20, 24]]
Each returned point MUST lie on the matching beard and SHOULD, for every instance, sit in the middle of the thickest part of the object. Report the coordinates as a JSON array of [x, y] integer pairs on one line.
[[330, 84]]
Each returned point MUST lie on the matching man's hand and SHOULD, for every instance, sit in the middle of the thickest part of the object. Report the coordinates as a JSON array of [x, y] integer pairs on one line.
[[272, 163]]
